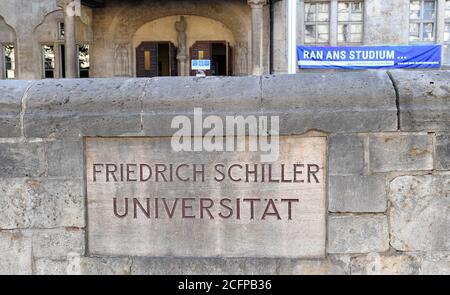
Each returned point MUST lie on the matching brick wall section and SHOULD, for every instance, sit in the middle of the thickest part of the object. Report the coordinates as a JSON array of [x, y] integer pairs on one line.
[[388, 171]]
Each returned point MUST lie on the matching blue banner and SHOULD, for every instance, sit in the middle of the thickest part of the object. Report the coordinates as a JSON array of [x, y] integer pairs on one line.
[[369, 57]]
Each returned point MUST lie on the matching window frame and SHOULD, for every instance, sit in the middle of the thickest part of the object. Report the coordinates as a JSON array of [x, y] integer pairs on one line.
[[317, 23], [3, 60], [43, 59], [78, 55], [351, 22], [61, 28], [421, 21]]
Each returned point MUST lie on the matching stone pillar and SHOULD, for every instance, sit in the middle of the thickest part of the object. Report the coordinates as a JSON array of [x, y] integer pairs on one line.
[[2, 62], [182, 56], [440, 21], [333, 22], [72, 9], [301, 22], [258, 42]]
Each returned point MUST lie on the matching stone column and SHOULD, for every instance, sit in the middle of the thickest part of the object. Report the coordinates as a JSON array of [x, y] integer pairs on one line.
[[71, 11], [333, 22], [258, 47], [301, 22], [440, 25], [182, 56], [440, 21], [2, 62]]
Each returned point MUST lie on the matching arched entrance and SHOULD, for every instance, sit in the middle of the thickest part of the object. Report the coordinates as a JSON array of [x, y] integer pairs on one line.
[[158, 51]]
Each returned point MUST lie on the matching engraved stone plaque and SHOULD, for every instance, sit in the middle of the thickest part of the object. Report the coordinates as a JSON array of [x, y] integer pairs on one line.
[[144, 199]]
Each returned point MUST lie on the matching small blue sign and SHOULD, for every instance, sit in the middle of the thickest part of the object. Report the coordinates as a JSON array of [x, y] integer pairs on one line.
[[201, 64], [369, 57]]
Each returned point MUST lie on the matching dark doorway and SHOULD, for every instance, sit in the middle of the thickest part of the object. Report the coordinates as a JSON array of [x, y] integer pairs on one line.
[[156, 59], [62, 60], [218, 59], [220, 54], [163, 59]]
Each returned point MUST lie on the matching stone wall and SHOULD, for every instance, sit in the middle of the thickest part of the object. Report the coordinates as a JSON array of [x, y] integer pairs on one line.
[[388, 166]]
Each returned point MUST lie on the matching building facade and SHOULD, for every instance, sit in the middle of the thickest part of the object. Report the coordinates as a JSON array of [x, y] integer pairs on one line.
[[146, 38]]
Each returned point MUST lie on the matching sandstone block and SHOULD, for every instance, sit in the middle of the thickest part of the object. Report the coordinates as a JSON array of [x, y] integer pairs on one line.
[[339, 104], [65, 158], [346, 154], [436, 263], [15, 253], [376, 264], [58, 243], [401, 152], [357, 193], [84, 107], [443, 151], [418, 213], [358, 234], [41, 203], [22, 159], [424, 100]]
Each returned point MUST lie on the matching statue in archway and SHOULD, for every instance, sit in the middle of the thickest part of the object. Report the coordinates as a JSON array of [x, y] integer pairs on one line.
[[242, 58], [181, 27], [122, 60]]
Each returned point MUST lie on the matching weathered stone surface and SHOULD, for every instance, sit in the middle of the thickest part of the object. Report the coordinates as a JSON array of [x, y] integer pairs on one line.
[[22, 159], [13, 204], [358, 234], [41, 203], [424, 100], [47, 266], [436, 263], [75, 264], [203, 266], [78, 265], [105, 266], [311, 267], [167, 97], [236, 266], [443, 151], [65, 158], [73, 108], [346, 154], [332, 102], [11, 94], [245, 231], [15, 253], [57, 243], [419, 213], [400, 152], [355, 193], [376, 264]]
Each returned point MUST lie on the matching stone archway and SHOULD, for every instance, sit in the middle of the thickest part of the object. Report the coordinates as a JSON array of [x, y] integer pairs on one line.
[[198, 29], [120, 21]]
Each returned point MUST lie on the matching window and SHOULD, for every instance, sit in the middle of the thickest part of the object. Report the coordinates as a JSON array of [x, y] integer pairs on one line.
[[347, 22], [317, 23], [350, 22], [446, 46], [9, 61], [61, 30], [83, 61], [48, 54], [422, 21]]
